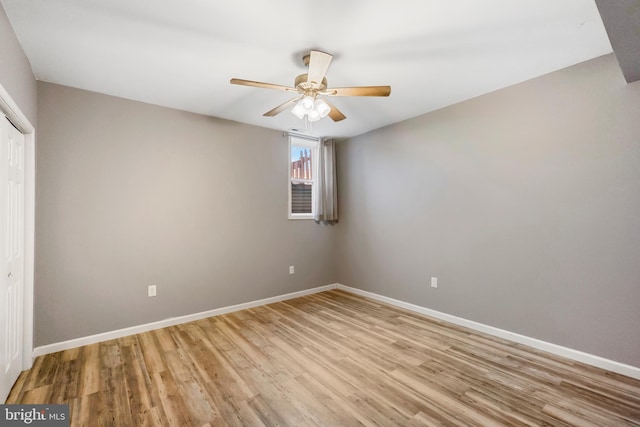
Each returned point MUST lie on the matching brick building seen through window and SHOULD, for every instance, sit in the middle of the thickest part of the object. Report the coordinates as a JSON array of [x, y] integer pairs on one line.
[[302, 177]]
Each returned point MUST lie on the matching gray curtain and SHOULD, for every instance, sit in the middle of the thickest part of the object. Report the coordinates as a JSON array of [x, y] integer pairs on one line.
[[327, 187]]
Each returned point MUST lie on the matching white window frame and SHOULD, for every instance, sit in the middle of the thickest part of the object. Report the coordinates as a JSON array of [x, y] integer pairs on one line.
[[312, 144]]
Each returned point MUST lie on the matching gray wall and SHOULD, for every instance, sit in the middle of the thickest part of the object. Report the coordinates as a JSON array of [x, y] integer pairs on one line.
[[130, 194], [15, 71], [525, 203]]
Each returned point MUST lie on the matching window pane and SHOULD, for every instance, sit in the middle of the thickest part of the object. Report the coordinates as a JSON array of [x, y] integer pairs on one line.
[[301, 161], [301, 198]]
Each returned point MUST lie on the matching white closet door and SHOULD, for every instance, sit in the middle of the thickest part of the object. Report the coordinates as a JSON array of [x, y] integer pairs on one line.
[[12, 265]]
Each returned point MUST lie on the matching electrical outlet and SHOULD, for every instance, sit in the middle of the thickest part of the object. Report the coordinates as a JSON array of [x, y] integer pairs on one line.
[[151, 291], [434, 282], [292, 269]]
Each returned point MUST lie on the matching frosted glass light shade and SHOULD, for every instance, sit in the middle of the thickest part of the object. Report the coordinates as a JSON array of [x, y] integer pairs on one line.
[[314, 116], [322, 108], [307, 103], [299, 111]]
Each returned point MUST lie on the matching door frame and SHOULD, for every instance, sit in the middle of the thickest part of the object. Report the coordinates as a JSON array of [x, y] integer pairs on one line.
[[20, 121]]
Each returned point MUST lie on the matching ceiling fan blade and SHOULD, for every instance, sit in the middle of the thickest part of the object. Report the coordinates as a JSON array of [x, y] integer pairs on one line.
[[318, 66], [359, 91], [242, 82], [335, 114], [280, 108]]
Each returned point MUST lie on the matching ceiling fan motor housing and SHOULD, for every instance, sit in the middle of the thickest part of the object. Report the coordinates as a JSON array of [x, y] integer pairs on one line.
[[303, 86]]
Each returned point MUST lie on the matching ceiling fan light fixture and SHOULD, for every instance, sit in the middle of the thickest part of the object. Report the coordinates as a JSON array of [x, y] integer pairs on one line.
[[299, 111], [313, 116], [322, 108], [314, 109], [307, 103]]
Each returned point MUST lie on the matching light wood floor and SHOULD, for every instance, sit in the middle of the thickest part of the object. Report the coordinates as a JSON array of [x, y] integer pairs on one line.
[[330, 359]]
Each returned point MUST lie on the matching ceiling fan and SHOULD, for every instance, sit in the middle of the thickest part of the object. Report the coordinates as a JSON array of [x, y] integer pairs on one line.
[[310, 86]]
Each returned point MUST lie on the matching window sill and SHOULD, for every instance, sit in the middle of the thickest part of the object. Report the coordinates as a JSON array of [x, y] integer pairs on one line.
[[300, 216]]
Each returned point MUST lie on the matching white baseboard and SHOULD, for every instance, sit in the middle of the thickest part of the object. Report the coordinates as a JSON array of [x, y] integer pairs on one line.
[[106, 336], [589, 359]]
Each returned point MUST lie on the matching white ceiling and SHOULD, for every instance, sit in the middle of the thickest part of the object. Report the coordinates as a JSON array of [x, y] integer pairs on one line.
[[181, 54]]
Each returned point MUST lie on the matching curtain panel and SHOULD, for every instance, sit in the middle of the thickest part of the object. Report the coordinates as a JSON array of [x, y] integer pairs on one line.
[[327, 186]]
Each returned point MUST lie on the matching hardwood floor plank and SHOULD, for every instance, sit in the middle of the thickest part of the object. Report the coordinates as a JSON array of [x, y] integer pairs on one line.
[[501, 410], [117, 408], [568, 417], [89, 410], [152, 351], [67, 376], [153, 417], [331, 358], [137, 382], [35, 395], [89, 358], [328, 403], [171, 401]]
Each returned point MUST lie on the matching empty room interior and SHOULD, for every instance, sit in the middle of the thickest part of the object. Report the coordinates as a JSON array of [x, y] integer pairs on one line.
[[321, 213]]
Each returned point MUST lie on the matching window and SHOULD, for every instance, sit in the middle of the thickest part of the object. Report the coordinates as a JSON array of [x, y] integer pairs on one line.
[[303, 161]]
